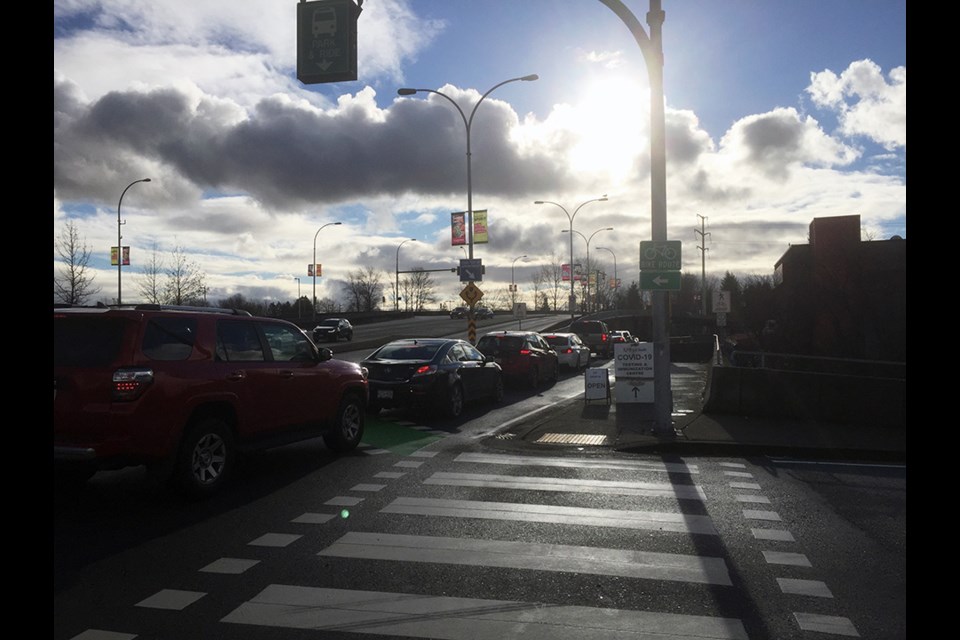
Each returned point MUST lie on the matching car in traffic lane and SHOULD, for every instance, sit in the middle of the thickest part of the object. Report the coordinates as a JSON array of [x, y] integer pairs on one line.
[[571, 351], [523, 355], [441, 374], [332, 330]]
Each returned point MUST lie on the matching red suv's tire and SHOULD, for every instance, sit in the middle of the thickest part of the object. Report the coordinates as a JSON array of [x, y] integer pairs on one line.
[[347, 429], [206, 458]]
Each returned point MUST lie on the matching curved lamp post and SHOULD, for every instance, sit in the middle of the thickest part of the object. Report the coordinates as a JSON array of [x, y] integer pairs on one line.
[[513, 285], [570, 218], [119, 246], [615, 281], [315, 265], [588, 256], [396, 289], [468, 123]]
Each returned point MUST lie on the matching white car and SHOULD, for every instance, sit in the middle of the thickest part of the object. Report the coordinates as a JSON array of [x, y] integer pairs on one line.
[[571, 351]]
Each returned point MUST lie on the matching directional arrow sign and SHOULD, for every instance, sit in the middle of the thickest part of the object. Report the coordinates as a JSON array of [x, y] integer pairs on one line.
[[660, 280]]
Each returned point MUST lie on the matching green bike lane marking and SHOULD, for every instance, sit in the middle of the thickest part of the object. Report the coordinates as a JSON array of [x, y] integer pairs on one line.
[[396, 438]]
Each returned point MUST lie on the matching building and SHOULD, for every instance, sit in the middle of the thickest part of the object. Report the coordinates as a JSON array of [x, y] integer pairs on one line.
[[843, 297]]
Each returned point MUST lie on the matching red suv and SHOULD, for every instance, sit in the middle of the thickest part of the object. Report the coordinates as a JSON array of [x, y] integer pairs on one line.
[[522, 354], [185, 390]]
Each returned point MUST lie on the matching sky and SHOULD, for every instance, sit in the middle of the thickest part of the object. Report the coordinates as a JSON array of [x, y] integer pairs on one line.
[[776, 113]]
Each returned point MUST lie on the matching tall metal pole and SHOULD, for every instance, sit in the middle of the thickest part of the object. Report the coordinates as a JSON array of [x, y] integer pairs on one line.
[[703, 265], [120, 246], [468, 124], [570, 218], [616, 284], [396, 286], [652, 48], [314, 266], [513, 284], [299, 306]]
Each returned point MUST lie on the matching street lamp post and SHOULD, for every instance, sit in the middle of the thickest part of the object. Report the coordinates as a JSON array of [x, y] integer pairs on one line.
[[616, 283], [120, 246], [314, 265], [570, 218], [513, 284], [298, 296], [652, 49], [468, 123], [396, 286], [588, 256]]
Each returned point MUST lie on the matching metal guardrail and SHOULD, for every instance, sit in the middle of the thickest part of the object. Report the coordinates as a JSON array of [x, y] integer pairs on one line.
[[817, 364]]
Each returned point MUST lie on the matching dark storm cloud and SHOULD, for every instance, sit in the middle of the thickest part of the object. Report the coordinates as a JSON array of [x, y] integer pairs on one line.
[[773, 142], [284, 155]]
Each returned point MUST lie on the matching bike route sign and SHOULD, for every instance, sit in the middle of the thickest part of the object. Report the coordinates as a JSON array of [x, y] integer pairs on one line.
[[660, 256]]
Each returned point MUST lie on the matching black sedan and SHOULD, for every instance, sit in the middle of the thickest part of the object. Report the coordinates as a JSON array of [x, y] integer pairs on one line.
[[431, 373]]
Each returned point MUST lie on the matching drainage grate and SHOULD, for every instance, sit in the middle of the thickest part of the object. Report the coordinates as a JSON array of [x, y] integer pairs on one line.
[[572, 438]]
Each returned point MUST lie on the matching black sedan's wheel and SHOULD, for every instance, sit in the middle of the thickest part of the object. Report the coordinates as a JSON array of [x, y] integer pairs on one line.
[[206, 458], [347, 430], [455, 402]]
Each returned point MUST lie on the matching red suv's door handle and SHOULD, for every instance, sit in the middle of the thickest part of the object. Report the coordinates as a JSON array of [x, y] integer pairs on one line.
[[237, 375]]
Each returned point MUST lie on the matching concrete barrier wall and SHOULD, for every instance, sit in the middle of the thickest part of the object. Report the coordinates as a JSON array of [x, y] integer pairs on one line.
[[801, 395]]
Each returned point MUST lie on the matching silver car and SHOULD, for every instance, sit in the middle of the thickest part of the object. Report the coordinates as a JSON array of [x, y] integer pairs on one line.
[[571, 351]]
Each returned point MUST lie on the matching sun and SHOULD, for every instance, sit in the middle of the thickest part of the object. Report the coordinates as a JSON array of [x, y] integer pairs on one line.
[[610, 124]]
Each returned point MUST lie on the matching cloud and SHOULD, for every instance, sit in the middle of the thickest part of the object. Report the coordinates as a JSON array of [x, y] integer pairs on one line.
[[865, 103], [774, 142]]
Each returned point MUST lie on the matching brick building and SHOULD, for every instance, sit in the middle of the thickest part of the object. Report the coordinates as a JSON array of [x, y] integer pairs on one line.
[[840, 296]]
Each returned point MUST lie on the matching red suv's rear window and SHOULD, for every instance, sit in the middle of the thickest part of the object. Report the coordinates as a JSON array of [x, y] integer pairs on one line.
[[86, 342]]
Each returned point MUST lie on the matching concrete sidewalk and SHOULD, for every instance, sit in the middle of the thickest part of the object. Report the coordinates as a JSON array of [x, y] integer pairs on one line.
[[579, 424]]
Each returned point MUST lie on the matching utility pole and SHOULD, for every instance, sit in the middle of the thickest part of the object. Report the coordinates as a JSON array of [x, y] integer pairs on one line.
[[703, 264]]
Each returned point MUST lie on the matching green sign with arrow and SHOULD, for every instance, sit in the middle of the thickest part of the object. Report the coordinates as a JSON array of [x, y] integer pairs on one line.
[[660, 280]]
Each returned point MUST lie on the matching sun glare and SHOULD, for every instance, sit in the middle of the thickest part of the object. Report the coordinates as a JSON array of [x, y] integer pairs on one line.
[[610, 121]]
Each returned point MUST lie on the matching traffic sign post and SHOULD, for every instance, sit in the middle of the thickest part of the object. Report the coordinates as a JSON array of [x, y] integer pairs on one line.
[[327, 41]]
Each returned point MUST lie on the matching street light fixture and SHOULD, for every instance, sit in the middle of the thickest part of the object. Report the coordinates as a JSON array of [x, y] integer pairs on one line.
[[588, 256], [120, 246], [616, 283], [513, 285], [570, 218], [314, 264], [468, 123], [396, 289]]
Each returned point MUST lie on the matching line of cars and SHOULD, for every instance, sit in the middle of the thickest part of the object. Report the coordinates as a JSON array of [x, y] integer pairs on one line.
[[186, 390]]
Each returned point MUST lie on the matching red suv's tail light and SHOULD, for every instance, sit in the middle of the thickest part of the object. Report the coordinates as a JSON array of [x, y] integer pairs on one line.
[[603, 337], [129, 384], [524, 352]]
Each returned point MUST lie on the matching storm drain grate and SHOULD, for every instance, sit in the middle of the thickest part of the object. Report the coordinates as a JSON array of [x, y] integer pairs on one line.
[[572, 438]]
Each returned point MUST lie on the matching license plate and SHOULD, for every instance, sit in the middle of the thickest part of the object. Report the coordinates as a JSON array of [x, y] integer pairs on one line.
[[385, 393]]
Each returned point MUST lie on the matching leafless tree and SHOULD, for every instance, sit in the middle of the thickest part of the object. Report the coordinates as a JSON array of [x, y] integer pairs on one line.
[[418, 290], [150, 286], [553, 280], [186, 283], [364, 288], [74, 284]]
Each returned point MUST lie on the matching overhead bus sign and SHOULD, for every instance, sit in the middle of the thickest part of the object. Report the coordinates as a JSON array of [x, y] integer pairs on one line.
[[660, 256], [327, 41]]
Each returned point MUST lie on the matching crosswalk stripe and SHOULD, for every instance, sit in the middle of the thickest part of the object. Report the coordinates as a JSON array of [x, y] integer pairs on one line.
[[447, 618], [649, 489], [673, 522], [538, 461], [536, 556]]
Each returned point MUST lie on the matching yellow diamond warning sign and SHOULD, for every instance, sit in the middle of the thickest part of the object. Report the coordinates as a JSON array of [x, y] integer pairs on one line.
[[471, 293]]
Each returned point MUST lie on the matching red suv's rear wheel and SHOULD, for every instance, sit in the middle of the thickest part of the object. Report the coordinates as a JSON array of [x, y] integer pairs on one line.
[[206, 458]]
